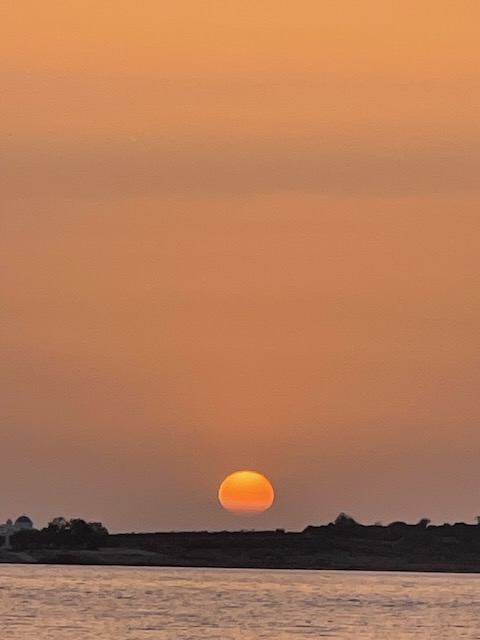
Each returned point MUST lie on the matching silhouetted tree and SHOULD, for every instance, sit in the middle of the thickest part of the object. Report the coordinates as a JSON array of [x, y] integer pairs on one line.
[[98, 528], [26, 539], [63, 534], [344, 520], [58, 523]]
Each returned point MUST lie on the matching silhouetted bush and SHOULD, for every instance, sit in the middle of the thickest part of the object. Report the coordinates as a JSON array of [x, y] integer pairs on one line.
[[423, 523]]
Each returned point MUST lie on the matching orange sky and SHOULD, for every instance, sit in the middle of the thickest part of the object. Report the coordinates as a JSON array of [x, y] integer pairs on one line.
[[239, 237]]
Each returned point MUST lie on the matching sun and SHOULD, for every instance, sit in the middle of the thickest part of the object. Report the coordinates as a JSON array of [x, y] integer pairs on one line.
[[246, 493]]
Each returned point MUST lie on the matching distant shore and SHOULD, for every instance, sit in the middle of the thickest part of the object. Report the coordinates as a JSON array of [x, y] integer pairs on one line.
[[397, 547]]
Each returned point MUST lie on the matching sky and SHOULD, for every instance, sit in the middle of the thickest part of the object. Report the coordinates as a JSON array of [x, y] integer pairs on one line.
[[239, 236]]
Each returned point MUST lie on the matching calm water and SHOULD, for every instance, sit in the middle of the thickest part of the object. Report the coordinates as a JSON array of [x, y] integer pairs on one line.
[[113, 603]]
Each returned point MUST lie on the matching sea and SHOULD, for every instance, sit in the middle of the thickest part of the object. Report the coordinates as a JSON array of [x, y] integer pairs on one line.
[[40, 602]]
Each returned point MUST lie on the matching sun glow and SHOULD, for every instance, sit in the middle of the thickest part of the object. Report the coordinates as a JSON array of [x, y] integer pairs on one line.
[[246, 493]]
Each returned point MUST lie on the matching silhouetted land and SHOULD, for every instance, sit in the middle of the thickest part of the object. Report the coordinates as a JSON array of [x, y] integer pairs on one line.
[[344, 544]]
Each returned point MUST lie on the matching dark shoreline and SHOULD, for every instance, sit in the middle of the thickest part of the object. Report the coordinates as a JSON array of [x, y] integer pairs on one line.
[[396, 547], [103, 558]]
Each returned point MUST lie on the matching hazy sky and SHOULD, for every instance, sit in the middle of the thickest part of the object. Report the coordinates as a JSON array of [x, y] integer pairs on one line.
[[239, 235]]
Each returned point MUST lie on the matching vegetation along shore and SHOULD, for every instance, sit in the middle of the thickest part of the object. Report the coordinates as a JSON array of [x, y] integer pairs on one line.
[[343, 544]]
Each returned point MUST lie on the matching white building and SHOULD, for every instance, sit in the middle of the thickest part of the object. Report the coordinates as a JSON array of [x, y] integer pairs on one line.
[[9, 528]]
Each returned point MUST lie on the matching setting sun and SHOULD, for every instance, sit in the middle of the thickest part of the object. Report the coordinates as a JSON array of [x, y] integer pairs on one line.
[[246, 493]]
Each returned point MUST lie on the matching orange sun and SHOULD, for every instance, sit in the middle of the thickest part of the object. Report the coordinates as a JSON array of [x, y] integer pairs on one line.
[[246, 493]]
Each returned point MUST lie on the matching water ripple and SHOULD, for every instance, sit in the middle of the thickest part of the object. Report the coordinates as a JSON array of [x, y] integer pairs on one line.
[[125, 603]]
